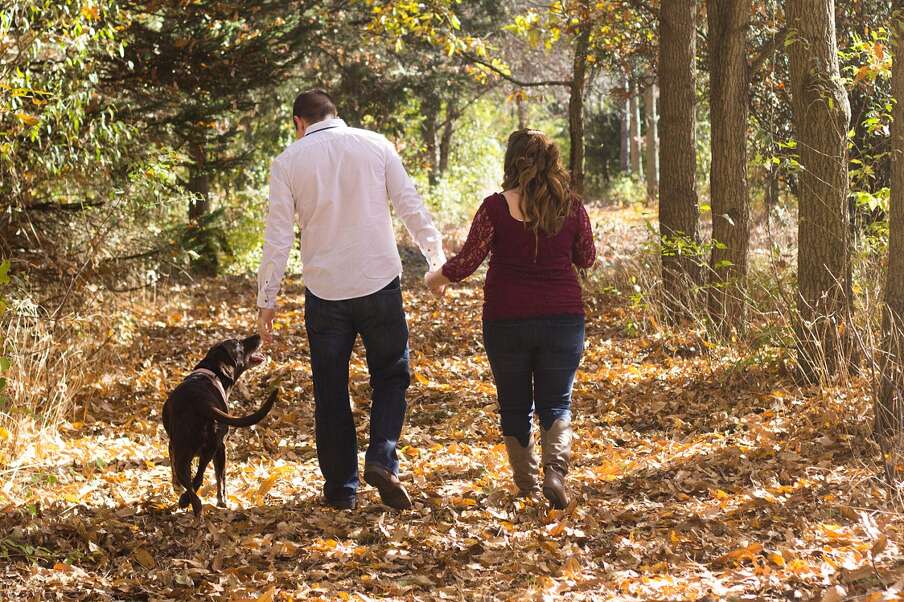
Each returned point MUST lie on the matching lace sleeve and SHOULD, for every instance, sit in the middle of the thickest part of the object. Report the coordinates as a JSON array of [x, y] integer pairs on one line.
[[584, 251], [475, 249]]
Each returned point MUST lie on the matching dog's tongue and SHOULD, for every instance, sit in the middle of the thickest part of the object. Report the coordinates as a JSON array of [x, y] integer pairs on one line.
[[258, 357]]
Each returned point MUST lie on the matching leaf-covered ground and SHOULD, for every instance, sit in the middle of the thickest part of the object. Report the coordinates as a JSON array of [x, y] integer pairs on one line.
[[698, 475]]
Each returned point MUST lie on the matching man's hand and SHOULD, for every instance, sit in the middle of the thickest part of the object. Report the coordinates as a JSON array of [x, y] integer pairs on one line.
[[265, 317], [436, 281]]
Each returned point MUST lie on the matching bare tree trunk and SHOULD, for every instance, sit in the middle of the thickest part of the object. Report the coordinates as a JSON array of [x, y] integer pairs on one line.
[[576, 109], [430, 107], [821, 115], [445, 141], [625, 134], [652, 142], [634, 103], [521, 104], [728, 22], [678, 210], [889, 411], [207, 263]]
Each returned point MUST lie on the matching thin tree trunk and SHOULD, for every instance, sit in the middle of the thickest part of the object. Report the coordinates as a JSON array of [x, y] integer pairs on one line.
[[576, 109], [625, 134], [636, 158], [728, 22], [652, 143], [207, 263], [821, 116], [521, 104], [445, 141], [889, 411], [430, 107], [678, 210]]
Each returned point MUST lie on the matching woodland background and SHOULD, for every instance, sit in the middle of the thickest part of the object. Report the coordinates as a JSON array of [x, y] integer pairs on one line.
[[739, 410]]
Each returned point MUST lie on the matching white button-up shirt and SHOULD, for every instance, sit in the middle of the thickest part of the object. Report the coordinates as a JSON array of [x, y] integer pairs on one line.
[[336, 183]]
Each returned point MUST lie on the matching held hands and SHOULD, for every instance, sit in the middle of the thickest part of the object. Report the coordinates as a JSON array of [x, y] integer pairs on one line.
[[436, 282], [265, 317]]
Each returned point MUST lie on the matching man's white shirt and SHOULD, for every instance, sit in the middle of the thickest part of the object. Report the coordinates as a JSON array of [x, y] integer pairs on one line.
[[336, 182]]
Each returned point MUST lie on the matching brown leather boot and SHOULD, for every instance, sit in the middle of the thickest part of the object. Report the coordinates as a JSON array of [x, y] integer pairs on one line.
[[525, 465], [392, 492], [556, 444]]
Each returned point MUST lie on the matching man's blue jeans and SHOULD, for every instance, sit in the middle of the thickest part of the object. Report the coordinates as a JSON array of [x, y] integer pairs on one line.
[[332, 328], [534, 362]]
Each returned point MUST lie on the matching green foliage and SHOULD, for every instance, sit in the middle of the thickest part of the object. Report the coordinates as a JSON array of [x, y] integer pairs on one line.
[[54, 120], [625, 190]]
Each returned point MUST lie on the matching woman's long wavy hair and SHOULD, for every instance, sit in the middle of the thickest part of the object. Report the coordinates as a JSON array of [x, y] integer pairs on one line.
[[533, 166]]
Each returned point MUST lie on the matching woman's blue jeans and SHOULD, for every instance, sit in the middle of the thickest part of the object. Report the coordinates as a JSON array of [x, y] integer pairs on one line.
[[534, 362]]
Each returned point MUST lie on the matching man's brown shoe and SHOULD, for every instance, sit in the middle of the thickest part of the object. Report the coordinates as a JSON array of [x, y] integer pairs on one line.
[[392, 493]]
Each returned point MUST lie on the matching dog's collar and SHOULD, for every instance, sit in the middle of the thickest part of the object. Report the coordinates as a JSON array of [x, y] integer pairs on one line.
[[215, 381]]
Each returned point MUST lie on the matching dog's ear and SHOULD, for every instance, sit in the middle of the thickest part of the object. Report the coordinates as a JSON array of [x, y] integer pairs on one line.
[[222, 356]]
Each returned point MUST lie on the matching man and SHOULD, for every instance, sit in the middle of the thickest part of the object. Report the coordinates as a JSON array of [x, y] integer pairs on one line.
[[336, 182]]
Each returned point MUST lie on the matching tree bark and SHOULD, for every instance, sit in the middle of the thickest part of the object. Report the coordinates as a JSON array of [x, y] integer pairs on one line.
[[521, 105], [821, 116], [728, 23], [445, 141], [634, 104], [576, 109], [678, 210], [625, 134], [652, 142], [430, 107], [207, 263], [889, 411]]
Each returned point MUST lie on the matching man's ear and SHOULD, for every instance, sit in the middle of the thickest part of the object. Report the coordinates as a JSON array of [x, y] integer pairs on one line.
[[300, 126]]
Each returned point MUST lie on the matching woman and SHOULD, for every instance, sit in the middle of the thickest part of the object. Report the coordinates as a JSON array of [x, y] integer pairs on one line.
[[535, 232]]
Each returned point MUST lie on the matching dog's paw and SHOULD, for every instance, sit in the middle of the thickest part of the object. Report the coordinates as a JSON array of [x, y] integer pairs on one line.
[[184, 501]]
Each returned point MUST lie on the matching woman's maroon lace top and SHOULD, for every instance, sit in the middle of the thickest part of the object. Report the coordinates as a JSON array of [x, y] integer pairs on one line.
[[529, 275]]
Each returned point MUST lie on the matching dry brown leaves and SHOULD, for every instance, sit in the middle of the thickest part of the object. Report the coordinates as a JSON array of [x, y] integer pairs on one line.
[[698, 477]]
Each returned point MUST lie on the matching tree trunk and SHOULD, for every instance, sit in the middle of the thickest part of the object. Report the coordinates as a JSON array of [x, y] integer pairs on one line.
[[207, 263], [625, 134], [677, 155], [576, 109], [636, 159], [889, 411], [521, 104], [728, 22], [821, 115], [445, 142], [430, 107], [652, 143]]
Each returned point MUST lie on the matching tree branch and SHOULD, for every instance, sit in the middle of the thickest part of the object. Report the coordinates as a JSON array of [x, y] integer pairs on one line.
[[514, 80]]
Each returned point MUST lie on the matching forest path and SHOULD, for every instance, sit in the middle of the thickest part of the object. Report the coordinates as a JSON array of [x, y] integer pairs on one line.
[[696, 476]]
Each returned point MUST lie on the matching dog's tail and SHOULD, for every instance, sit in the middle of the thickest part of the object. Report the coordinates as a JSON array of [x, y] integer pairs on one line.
[[250, 419]]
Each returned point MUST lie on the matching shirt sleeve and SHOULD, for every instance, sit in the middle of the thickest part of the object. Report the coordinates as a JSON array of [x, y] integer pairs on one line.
[[279, 235], [476, 247], [411, 209], [584, 251]]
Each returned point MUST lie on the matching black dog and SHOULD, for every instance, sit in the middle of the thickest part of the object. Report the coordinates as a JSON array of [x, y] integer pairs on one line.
[[196, 417]]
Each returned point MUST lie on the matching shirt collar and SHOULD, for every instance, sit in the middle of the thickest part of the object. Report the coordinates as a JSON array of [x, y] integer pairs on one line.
[[333, 122]]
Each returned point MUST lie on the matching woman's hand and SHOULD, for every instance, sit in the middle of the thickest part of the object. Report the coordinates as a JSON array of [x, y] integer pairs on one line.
[[436, 282]]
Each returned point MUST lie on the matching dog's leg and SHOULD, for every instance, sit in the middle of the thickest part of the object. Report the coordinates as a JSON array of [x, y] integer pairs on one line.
[[196, 483], [183, 473], [219, 466]]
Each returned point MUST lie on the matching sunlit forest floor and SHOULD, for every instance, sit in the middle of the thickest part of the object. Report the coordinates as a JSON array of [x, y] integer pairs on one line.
[[697, 474]]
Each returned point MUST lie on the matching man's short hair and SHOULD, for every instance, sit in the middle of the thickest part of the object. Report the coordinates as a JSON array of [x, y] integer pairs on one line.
[[313, 106]]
